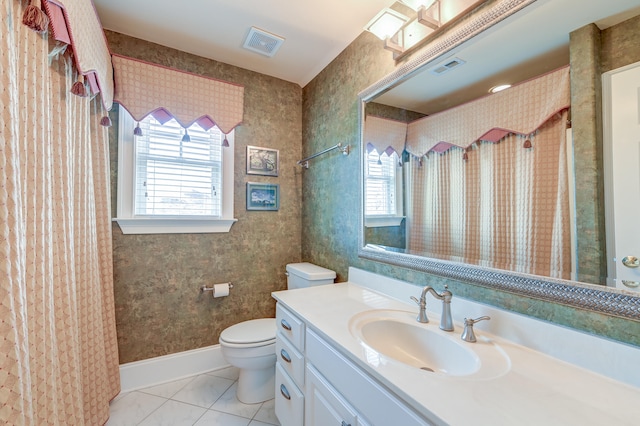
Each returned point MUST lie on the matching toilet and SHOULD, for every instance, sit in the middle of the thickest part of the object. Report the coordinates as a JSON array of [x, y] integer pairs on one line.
[[251, 345]]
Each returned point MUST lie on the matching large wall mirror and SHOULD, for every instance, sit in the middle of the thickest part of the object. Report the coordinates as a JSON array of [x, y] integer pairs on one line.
[[498, 42]]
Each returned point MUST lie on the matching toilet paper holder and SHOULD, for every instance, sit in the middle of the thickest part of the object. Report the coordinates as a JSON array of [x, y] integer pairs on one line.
[[212, 289]]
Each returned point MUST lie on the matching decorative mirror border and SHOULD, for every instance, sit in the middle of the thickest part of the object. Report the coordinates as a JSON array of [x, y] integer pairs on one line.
[[571, 293], [595, 298]]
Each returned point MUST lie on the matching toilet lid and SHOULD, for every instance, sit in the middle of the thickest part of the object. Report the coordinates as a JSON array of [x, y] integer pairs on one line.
[[252, 331]]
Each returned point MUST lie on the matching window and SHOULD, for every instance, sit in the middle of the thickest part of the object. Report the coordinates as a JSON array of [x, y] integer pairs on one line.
[[383, 190], [170, 185]]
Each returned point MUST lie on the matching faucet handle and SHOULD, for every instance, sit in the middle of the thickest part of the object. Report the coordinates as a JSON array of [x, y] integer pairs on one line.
[[468, 334], [422, 314]]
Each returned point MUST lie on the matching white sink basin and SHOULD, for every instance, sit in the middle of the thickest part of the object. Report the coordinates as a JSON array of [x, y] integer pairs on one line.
[[389, 336]]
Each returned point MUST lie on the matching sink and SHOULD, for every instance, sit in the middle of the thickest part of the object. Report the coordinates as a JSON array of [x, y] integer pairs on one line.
[[395, 337]]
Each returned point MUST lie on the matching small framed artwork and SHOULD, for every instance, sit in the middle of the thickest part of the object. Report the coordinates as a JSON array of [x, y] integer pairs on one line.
[[262, 161], [263, 196]]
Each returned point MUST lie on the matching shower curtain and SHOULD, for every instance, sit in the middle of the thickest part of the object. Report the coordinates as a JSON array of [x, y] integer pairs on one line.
[[57, 318]]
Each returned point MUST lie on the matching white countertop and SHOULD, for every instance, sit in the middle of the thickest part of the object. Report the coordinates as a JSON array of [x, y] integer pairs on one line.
[[537, 389]]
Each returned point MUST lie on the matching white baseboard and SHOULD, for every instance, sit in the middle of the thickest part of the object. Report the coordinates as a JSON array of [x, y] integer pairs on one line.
[[167, 368]]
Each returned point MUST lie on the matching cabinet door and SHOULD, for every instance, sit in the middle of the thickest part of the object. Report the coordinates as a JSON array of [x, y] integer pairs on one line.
[[323, 404], [289, 400]]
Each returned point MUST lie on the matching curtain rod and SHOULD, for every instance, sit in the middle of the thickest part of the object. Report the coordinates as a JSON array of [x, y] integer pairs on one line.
[[305, 161]]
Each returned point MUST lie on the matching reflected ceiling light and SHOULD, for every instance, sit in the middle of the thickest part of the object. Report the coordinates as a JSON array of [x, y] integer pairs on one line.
[[429, 15], [386, 23], [499, 88], [417, 4]]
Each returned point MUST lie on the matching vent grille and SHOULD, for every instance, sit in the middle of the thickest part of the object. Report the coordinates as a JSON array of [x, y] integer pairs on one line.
[[262, 42], [446, 66]]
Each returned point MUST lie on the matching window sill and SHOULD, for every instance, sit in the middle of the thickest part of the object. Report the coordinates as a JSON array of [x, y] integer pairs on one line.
[[382, 221], [173, 225]]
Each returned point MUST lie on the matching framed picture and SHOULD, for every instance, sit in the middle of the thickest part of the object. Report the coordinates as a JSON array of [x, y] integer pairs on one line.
[[263, 196], [262, 161]]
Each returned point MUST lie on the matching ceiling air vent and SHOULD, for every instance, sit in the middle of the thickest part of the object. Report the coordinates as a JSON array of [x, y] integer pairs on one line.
[[262, 42], [446, 66]]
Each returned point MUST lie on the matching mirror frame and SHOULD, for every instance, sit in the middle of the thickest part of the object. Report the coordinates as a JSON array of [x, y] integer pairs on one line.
[[596, 298]]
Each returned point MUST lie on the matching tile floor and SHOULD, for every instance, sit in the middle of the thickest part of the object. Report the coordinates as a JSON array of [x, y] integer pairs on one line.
[[206, 399]]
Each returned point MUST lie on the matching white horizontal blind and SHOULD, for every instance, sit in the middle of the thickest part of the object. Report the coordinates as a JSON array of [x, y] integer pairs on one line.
[[380, 184], [176, 178]]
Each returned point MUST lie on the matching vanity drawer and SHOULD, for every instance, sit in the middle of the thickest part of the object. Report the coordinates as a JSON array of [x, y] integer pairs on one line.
[[290, 327], [289, 400], [291, 360]]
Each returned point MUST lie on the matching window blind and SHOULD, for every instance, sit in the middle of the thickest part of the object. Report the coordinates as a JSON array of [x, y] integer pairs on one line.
[[380, 184], [175, 177]]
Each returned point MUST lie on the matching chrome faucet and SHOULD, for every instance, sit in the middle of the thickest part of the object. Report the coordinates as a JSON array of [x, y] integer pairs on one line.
[[446, 323]]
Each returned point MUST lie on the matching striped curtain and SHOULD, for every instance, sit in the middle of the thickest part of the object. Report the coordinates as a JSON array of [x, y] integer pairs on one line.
[[57, 328], [505, 207]]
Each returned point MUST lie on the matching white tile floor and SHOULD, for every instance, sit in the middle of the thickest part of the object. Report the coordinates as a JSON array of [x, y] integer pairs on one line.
[[207, 399]]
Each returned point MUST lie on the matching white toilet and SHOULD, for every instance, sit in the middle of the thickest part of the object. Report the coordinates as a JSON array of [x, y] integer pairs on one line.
[[251, 345]]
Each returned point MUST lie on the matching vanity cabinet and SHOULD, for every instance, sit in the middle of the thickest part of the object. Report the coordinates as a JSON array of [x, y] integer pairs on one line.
[[317, 386]]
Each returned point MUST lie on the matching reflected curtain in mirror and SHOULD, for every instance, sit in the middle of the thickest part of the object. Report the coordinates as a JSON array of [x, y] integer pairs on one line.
[[489, 180], [506, 206]]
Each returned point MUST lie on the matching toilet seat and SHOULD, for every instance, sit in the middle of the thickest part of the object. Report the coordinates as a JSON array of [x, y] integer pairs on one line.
[[252, 333]]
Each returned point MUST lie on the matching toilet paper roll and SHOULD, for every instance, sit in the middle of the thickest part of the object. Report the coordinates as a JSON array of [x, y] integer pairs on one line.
[[221, 290]]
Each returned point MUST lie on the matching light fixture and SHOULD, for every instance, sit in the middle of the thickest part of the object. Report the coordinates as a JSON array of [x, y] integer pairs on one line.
[[386, 23], [417, 4], [429, 16], [499, 88]]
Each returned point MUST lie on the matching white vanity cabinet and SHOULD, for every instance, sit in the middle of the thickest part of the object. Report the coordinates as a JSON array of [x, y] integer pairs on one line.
[[317, 386]]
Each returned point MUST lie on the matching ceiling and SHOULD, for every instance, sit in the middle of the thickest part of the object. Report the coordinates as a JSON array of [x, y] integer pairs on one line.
[[527, 44], [315, 31], [530, 43]]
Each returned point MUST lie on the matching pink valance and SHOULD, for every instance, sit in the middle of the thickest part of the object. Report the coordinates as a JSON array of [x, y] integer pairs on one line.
[[75, 22], [143, 88], [521, 109], [385, 135]]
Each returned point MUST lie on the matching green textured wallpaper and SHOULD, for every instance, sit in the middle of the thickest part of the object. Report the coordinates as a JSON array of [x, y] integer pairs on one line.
[[157, 277]]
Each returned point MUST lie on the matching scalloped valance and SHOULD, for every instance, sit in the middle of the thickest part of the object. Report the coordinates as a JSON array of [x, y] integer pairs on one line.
[[76, 23], [385, 135], [144, 88], [522, 109]]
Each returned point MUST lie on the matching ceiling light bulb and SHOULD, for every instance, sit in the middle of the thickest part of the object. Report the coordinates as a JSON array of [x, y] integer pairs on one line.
[[386, 23], [499, 88]]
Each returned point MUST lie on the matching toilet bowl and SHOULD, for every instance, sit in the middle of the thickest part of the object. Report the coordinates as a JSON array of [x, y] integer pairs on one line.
[[251, 345]]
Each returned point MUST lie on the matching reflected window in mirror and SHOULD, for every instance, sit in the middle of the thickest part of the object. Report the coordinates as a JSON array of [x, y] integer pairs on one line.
[[383, 189]]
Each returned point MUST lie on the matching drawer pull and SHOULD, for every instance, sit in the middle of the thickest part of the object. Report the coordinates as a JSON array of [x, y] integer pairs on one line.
[[285, 325], [285, 392], [285, 356]]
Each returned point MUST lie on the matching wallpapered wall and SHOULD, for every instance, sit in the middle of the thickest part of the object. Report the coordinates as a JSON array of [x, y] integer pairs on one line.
[[331, 202], [157, 277]]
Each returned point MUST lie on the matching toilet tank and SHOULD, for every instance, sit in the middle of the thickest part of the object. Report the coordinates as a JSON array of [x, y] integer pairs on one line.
[[306, 274]]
